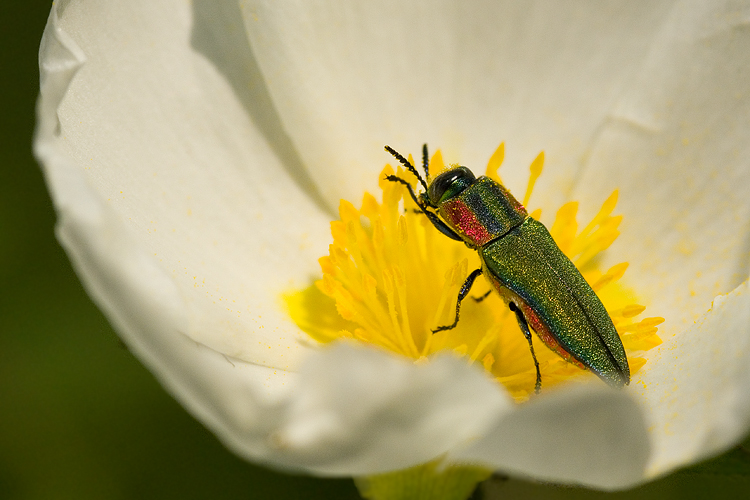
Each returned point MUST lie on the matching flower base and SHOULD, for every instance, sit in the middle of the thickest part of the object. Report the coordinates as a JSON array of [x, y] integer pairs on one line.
[[430, 481]]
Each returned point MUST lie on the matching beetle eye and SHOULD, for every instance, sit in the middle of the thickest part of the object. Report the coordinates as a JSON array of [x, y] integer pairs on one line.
[[450, 184]]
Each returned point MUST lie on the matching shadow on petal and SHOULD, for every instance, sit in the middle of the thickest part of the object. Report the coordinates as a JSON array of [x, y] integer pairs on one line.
[[219, 34]]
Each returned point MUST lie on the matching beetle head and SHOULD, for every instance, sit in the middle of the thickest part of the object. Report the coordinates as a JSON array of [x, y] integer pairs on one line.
[[448, 185]]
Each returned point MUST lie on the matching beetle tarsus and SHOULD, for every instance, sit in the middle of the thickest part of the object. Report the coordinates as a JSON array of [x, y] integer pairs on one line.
[[527, 333], [461, 296], [483, 296]]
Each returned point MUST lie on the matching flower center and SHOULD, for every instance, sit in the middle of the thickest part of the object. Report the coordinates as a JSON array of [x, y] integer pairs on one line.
[[391, 278]]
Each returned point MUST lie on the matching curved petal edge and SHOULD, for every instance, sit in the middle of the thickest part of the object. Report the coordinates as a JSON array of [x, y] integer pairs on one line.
[[584, 434], [696, 390]]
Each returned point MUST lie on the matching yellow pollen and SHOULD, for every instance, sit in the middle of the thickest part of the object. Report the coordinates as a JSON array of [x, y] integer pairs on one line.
[[390, 278]]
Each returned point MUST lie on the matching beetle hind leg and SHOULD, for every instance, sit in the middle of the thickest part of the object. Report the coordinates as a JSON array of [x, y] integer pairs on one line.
[[527, 333]]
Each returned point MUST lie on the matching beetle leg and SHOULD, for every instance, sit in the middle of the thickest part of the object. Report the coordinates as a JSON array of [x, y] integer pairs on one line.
[[442, 226], [527, 333], [394, 178], [461, 296], [482, 297], [439, 224]]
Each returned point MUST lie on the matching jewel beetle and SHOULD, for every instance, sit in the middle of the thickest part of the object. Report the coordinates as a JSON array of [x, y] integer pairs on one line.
[[525, 267]]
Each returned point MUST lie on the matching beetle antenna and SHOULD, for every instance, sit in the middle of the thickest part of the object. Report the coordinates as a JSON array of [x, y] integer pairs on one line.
[[408, 165], [425, 162]]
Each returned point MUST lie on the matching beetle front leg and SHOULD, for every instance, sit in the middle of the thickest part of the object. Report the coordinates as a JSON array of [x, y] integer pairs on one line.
[[527, 333], [434, 219], [442, 226], [461, 296]]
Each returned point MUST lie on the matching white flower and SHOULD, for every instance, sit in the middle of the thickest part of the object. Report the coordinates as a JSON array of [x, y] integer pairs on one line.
[[195, 152]]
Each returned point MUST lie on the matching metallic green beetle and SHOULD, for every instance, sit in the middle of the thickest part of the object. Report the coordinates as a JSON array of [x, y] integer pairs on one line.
[[525, 266]]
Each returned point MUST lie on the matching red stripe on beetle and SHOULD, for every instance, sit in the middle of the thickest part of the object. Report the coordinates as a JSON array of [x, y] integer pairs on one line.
[[545, 334], [536, 324], [462, 218]]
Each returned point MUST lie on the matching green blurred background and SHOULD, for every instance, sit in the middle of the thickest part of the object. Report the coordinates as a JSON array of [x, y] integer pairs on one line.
[[80, 417]]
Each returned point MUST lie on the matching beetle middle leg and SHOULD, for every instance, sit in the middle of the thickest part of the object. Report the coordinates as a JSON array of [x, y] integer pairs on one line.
[[461, 296], [527, 333]]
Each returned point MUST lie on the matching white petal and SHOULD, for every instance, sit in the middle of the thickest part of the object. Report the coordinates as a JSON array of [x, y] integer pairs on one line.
[[142, 301], [350, 77], [589, 435], [168, 146], [362, 411], [677, 145], [696, 390]]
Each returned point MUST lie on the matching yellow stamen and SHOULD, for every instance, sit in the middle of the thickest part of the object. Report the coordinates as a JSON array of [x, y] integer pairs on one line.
[[496, 161], [391, 278], [436, 163], [536, 170]]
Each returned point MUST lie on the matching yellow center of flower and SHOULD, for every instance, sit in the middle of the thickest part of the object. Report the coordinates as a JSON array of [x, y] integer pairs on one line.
[[391, 278]]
